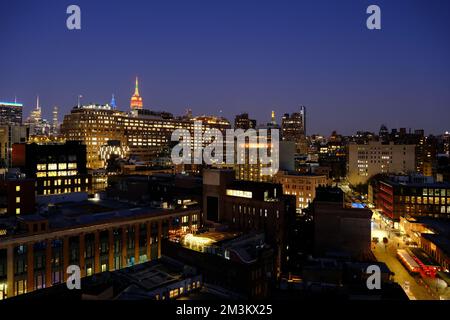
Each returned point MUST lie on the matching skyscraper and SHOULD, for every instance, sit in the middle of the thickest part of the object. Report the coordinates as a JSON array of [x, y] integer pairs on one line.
[[294, 129], [55, 121], [113, 102], [10, 113], [242, 121], [38, 125], [136, 100]]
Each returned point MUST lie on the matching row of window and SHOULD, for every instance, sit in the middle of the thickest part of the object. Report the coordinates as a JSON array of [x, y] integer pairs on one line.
[[55, 166]]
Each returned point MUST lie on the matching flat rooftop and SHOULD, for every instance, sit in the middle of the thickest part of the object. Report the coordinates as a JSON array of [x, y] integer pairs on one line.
[[92, 212], [443, 242]]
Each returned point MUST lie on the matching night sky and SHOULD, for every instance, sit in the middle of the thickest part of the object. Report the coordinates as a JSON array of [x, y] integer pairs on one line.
[[236, 56]]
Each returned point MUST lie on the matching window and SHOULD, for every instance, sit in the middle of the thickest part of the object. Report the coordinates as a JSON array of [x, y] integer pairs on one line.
[[17, 210], [20, 287], [17, 188], [17, 199]]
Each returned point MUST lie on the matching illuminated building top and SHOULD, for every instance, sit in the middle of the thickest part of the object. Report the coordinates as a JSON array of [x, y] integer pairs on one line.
[[136, 100]]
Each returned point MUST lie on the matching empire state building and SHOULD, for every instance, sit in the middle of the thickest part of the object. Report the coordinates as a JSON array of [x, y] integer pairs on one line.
[[136, 101]]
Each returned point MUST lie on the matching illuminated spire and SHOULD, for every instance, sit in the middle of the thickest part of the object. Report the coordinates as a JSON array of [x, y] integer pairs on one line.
[[136, 101], [136, 89], [273, 117], [113, 102]]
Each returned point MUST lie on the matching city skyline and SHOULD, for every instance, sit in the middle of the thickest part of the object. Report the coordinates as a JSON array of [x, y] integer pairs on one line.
[[318, 55], [262, 153]]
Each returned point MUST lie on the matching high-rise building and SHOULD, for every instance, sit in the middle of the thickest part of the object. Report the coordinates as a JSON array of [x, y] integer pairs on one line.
[[9, 135], [426, 154], [446, 143], [36, 114], [38, 125], [136, 100], [55, 125], [242, 121], [10, 113], [293, 128], [367, 160], [248, 165], [57, 168], [113, 102]]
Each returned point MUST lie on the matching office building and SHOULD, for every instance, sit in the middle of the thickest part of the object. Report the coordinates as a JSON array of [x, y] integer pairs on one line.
[[98, 236], [10, 113], [293, 128], [9, 135], [339, 229], [55, 124], [401, 196], [240, 266], [246, 206], [38, 125], [57, 168], [242, 121], [302, 186], [147, 134], [367, 160], [17, 195]]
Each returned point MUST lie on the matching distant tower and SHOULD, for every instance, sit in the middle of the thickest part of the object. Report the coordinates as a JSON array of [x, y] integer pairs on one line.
[[55, 121], [273, 121], [36, 114], [189, 113], [136, 100], [113, 102], [303, 119]]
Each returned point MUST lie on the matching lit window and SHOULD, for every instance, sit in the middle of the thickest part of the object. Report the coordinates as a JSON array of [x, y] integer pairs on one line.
[[17, 199], [17, 188], [17, 210]]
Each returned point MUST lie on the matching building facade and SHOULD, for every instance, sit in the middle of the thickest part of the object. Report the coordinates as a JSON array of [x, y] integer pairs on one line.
[[38, 256], [10, 113], [293, 128], [57, 168], [399, 199], [249, 206], [147, 135], [367, 160], [302, 186], [9, 135], [242, 121], [17, 196]]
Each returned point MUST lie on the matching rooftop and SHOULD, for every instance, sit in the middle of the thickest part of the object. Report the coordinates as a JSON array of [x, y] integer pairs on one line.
[[93, 212]]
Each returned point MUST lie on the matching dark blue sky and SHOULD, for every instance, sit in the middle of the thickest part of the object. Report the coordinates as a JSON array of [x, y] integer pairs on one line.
[[236, 55]]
